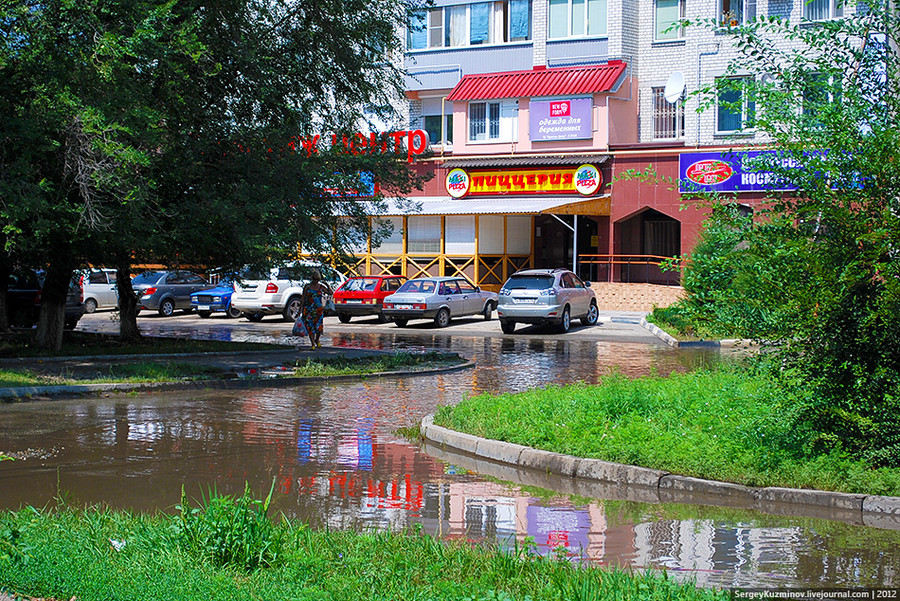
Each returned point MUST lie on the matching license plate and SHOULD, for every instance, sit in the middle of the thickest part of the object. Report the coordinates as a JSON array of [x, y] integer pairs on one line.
[[203, 307], [350, 301], [403, 306], [524, 301]]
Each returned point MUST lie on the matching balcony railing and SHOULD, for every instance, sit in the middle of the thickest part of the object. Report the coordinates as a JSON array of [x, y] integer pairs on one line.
[[640, 269]]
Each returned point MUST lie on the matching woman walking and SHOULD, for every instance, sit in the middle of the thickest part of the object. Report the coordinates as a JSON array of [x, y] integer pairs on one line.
[[312, 306]]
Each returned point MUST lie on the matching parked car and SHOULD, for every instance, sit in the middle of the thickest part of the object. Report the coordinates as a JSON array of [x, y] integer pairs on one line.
[[364, 295], [278, 292], [23, 299], [100, 290], [440, 299], [540, 296], [215, 300], [166, 291]]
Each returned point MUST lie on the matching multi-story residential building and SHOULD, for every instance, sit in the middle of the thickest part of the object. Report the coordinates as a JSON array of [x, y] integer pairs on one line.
[[534, 107]]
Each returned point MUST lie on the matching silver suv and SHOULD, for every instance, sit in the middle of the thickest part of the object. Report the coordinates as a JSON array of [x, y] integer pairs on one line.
[[279, 291], [541, 296]]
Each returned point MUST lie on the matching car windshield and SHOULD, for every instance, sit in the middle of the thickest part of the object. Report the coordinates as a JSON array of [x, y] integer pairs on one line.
[[529, 282], [148, 277], [360, 285], [417, 286]]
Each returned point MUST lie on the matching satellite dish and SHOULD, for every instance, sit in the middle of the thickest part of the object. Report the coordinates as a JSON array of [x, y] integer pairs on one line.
[[674, 87]]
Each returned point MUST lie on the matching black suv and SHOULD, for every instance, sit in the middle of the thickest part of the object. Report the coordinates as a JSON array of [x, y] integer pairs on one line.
[[23, 299]]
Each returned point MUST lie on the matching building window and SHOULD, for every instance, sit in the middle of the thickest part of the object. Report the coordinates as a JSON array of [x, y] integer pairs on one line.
[[433, 128], [668, 117], [470, 25], [819, 91], [735, 111], [736, 12], [819, 10], [667, 15], [574, 18], [493, 121]]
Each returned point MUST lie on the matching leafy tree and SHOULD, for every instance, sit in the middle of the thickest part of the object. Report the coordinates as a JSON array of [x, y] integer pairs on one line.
[[155, 131], [818, 265]]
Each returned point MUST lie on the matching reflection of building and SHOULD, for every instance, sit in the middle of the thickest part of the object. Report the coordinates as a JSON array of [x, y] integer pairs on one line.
[[533, 107]]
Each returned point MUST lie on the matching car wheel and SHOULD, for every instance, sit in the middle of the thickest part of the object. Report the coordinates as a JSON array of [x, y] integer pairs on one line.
[[592, 316], [90, 305], [565, 322], [344, 317], [204, 314], [401, 322], [232, 312], [382, 318], [291, 309], [488, 310], [167, 307], [442, 319], [507, 326], [254, 317]]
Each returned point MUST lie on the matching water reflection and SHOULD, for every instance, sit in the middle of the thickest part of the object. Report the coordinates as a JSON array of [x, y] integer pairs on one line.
[[336, 460]]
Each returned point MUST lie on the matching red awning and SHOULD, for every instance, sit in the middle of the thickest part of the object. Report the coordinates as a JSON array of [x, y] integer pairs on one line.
[[564, 81]]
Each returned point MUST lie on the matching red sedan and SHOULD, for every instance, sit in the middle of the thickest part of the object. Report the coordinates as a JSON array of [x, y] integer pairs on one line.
[[364, 295]]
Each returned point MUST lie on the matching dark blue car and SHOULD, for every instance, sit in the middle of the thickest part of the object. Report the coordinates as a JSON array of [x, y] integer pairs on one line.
[[218, 299]]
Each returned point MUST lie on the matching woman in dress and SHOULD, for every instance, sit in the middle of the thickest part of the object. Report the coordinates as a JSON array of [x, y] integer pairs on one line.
[[312, 309]]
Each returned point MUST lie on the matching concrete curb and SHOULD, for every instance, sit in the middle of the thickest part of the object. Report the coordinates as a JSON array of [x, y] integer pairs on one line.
[[871, 510], [24, 393], [675, 343]]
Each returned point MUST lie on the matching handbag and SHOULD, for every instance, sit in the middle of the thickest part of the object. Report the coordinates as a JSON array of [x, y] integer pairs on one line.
[[299, 328], [329, 305]]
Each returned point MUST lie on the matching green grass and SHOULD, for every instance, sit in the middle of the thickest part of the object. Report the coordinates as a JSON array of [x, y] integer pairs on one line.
[[339, 366], [202, 554], [725, 424], [134, 373], [77, 344]]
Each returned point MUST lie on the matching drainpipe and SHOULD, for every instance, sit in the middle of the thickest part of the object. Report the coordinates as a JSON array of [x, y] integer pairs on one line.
[[443, 133], [700, 55]]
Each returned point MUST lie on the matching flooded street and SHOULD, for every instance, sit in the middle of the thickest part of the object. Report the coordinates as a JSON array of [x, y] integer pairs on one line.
[[338, 461]]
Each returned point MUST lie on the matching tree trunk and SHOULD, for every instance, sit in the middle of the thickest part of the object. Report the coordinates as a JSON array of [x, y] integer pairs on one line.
[[5, 273], [128, 328], [49, 335]]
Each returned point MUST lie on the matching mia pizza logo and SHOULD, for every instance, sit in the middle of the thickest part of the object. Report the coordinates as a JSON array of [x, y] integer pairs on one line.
[[458, 183], [709, 172], [587, 180]]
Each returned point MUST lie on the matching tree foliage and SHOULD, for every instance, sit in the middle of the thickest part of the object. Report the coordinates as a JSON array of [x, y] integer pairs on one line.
[[170, 132], [817, 269]]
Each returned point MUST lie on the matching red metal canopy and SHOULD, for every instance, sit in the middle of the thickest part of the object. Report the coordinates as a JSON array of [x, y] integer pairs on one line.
[[563, 81]]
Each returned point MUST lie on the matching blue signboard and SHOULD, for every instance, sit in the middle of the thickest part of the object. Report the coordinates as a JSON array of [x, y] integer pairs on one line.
[[732, 172]]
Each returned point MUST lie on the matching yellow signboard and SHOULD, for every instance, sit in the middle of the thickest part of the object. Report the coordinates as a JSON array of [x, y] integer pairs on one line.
[[526, 181]]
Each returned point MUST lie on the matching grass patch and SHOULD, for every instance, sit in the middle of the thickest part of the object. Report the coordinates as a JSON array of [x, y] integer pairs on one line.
[[77, 344], [226, 549], [343, 366], [728, 424], [131, 373]]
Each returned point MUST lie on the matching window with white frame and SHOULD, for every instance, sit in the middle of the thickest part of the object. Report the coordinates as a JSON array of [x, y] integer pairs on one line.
[[668, 117], [667, 14], [494, 121], [475, 24], [735, 111], [574, 18], [819, 10], [736, 12]]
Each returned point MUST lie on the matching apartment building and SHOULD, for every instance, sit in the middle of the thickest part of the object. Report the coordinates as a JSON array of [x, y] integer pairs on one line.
[[533, 108]]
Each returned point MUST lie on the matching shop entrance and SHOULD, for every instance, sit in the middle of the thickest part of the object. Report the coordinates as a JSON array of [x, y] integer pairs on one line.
[[553, 240]]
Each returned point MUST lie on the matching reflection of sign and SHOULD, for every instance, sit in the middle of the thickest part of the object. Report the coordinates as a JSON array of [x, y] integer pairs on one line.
[[457, 183], [530, 181], [732, 172], [587, 180], [560, 119]]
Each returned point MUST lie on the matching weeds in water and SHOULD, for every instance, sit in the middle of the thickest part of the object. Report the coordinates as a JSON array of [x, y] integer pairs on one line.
[[373, 364], [230, 531]]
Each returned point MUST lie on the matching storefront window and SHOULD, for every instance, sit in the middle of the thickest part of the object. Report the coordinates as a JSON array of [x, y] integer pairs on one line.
[[424, 234]]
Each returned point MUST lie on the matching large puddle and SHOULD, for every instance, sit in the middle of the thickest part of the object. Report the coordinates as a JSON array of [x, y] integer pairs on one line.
[[337, 461]]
